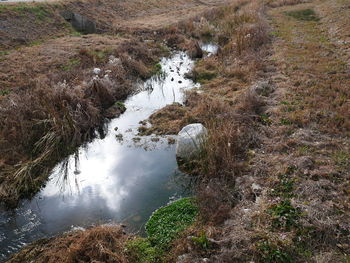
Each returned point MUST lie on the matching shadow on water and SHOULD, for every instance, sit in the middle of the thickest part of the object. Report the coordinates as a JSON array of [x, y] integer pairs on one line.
[[119, 177]]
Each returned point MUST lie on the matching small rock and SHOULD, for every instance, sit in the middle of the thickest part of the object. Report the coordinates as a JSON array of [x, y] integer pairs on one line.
[[183, 258], [114, 61], [119, 137], [256, 187], [96, 71], [171, 140]]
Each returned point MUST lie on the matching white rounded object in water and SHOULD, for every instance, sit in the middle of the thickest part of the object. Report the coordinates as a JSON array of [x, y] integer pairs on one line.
[[190, 140]]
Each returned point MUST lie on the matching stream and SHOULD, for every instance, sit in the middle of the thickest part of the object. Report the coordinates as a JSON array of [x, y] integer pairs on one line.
[[118, 178]]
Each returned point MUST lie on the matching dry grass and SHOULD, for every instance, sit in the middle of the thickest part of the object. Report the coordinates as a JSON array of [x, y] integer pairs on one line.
[[275, 195], [319, 94], [97, 244], [46, 121]]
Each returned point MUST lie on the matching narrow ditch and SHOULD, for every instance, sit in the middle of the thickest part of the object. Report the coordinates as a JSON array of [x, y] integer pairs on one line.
[[119, 178]]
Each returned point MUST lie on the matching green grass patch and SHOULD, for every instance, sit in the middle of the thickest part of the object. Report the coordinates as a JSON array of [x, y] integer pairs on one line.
[[40, 11], [303, 15], [36, 42], [121, 106], [342, 159], [265, 119], [5, 91], [75, 33], [141, 250], [202, 241], [285, 122], [100, 55], [284, 188], [168, 222], [284, 215], [4, 53], [204, 76], [157, 69], [72, 63], [272, 253]]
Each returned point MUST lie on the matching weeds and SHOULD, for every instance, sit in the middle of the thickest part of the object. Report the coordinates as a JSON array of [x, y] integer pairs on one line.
[[168, 222], [97, 244], [265, 119], [202, 241], [121, 106], [285, 122], [304, 15], [40, 11], [284, 188], [71, 64], [271, 253], [142, 251], [342, 159], [5, 92], [284, 215], [157, 69], [163, 227]]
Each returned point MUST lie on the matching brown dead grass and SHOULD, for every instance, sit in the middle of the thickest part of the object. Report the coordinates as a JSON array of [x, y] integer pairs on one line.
[[97, 244], [47, 120], [254, 162], [228, 108], [320, 92]]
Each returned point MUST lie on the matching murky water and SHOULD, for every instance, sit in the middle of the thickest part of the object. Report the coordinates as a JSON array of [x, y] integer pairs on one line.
[[120, 178]]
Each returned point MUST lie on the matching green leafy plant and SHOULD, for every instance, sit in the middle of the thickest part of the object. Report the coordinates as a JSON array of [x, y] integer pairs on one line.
[[141, 250], [271, 253], [202, 240], [168, 222], [121, 105], [285, 122], [284, 215], [265, 119], [73, 62], [5, 92], [285, 187]]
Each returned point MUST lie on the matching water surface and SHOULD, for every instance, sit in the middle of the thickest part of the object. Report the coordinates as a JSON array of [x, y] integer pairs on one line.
[[120, 178]]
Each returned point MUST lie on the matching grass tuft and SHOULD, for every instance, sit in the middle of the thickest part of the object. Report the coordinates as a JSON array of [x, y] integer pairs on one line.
[[304, 15]]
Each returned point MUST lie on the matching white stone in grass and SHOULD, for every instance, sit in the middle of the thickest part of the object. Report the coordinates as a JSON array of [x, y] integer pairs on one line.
[[190, 140], [97, 71]]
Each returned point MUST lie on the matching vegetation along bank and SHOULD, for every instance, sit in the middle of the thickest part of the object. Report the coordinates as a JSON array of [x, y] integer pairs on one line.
[[272, 180]]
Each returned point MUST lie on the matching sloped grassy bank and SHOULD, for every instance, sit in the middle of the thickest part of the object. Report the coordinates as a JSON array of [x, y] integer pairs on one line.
[[272, 175]]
